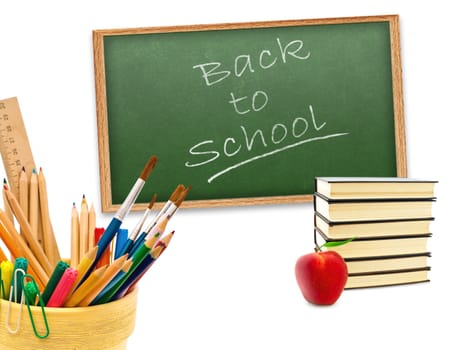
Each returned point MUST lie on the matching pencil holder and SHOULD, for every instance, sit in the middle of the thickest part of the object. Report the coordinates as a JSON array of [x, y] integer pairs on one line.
[[101, 327]]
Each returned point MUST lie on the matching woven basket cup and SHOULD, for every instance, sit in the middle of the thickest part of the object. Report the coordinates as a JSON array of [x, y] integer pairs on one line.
[[100, 327]]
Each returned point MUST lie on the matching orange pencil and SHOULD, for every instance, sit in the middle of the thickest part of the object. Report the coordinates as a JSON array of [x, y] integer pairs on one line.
[[18, 247], [27, 232]]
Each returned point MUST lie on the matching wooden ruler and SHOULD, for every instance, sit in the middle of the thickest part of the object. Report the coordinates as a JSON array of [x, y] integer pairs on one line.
[[14, 143]]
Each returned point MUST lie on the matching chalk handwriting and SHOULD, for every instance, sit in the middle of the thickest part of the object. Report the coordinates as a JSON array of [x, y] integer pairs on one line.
[[262, 144], [214, 72]]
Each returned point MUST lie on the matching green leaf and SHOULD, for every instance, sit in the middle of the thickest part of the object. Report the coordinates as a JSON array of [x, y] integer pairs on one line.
[[337, 243]]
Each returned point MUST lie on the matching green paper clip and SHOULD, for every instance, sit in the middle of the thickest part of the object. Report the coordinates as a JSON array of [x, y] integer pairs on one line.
[[41, 303]]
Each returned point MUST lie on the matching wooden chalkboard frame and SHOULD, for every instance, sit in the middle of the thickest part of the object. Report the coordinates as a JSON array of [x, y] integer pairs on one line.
[[107, 204]]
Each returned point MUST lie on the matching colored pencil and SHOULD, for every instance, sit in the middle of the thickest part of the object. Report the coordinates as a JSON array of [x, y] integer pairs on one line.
[[137, 259], [109, 274], [80, 293], [157, 231], [18, 247], [3, 257], [27, 231], [126, 267], [50, 242], [144, 266], [84, 265], [124, 208]]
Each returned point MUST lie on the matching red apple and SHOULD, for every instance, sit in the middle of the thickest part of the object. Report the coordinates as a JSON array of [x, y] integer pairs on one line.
[[321, 276]]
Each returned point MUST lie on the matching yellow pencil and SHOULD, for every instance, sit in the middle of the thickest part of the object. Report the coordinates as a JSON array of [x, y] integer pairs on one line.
[[84, 234], [110, 273], [79, 294], [75, 237], [50, 243], [84, 265], [91, 226]]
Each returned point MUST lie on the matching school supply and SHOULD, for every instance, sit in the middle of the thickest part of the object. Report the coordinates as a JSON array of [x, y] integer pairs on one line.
[[108, 275], [120, 242], [54, 280], [144, 266], [63, 288], [80, 293], [138, 257], [85, 264], [19, 270], [31, 294], [113, 281], [75, 237], [83, 228], [137, 229], [6, 272], [124, 209]]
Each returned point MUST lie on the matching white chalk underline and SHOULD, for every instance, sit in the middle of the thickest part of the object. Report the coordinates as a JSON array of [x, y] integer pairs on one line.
[[244, 162]]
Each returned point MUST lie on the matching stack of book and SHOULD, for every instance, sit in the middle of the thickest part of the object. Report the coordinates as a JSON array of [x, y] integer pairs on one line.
[[389, 220]]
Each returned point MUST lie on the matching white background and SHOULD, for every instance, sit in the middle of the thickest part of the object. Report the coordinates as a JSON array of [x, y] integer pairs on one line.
[[227, 280]]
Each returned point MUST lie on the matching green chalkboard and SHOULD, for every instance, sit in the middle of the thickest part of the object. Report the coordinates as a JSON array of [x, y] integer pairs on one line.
[[248, 113]]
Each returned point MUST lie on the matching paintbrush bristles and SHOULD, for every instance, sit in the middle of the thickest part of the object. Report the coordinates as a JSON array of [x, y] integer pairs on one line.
[[178, 190], [150, 164], [182, 196], [153, 199]]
